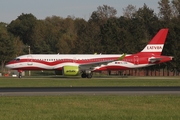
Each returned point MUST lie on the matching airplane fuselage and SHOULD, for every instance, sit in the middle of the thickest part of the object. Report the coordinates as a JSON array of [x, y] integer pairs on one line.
[[56, 61]]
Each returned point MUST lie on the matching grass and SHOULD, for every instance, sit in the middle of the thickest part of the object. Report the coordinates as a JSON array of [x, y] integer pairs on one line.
[[84, 107], [90, 107], [67, 82]]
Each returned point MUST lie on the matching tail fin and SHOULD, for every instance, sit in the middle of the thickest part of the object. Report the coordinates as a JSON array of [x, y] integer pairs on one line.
[[155, 46]]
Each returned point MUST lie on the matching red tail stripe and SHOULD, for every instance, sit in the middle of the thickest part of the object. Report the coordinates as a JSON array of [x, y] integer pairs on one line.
[[160, 37]]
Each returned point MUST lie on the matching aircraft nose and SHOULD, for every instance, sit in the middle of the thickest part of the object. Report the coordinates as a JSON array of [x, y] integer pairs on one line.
[[8, 66], [171, 57]]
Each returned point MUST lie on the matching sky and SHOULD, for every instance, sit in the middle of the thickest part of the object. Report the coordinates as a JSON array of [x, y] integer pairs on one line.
[[11, 9]]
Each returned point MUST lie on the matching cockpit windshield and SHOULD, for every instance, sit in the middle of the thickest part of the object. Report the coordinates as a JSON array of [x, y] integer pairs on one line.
[[17, 59]]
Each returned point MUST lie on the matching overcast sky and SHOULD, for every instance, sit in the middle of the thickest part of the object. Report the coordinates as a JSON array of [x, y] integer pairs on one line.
[[11, 9]]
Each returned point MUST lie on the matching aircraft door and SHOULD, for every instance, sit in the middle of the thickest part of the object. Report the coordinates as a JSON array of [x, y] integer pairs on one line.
[[29, 60], [136, 60]]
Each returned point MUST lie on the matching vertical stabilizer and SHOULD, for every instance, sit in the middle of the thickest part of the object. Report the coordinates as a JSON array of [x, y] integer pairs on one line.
[[155, 46]]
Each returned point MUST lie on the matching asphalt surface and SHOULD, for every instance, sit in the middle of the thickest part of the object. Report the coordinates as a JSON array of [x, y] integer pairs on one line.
[[44, 91]]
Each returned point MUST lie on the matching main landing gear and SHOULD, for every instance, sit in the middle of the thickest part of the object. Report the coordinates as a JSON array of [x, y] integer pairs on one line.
[[20, 73], [86, 74]]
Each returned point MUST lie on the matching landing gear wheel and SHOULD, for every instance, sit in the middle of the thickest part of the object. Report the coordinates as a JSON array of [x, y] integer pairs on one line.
[[83, 75], [89, 75], [20, 75]]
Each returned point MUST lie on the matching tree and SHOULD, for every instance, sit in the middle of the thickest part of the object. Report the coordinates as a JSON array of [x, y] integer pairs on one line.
[[22, 27], [176, 8], [173, 46], [165, 10], [39, 42], [103, 13], [80, 43], [61, 34], [9, 45], [129, 11], [145, 24], [88, 37], [109, 34]]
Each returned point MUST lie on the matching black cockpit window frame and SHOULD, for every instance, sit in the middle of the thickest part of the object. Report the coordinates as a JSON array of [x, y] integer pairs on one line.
[[17, 59]]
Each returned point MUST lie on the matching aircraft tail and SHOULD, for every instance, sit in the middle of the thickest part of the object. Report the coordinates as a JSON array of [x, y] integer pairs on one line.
[[155, 46]]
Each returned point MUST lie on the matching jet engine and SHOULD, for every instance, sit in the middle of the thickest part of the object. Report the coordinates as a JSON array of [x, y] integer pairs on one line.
[[68, 71]]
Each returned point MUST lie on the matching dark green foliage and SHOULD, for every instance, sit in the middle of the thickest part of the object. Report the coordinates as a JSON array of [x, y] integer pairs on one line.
[[9, 45], [22, 27]]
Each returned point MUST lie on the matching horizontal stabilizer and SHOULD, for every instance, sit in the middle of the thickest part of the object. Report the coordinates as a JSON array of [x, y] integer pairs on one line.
[[153, 59]]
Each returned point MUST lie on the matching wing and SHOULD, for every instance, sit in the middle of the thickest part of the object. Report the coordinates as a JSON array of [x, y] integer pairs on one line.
[[94, 64]]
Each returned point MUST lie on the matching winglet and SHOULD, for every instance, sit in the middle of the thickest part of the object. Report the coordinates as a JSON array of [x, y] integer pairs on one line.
[[122, 57]]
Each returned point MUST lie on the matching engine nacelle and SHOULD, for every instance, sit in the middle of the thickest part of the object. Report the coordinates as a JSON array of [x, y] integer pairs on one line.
[[70, 70]]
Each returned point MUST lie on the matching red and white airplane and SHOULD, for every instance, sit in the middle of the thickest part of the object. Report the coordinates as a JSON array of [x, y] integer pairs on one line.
[[85, 64]]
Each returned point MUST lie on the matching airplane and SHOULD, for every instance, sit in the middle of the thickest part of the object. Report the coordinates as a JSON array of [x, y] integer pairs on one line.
[[86, 64]]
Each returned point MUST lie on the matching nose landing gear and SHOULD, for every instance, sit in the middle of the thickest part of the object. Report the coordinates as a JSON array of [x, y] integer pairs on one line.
[[20, 73]]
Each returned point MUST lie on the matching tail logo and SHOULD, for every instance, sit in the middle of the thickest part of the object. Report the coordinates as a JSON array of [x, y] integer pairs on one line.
[[153, 48]]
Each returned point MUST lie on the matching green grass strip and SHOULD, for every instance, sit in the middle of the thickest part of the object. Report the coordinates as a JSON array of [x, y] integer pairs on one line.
[[85, 107], [74, 82]]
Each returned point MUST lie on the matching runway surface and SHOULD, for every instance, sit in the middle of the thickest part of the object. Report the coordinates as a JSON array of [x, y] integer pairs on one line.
[[43, 91]]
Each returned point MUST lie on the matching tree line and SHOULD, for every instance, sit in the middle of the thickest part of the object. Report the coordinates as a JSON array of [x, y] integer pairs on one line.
[[103, 32]]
